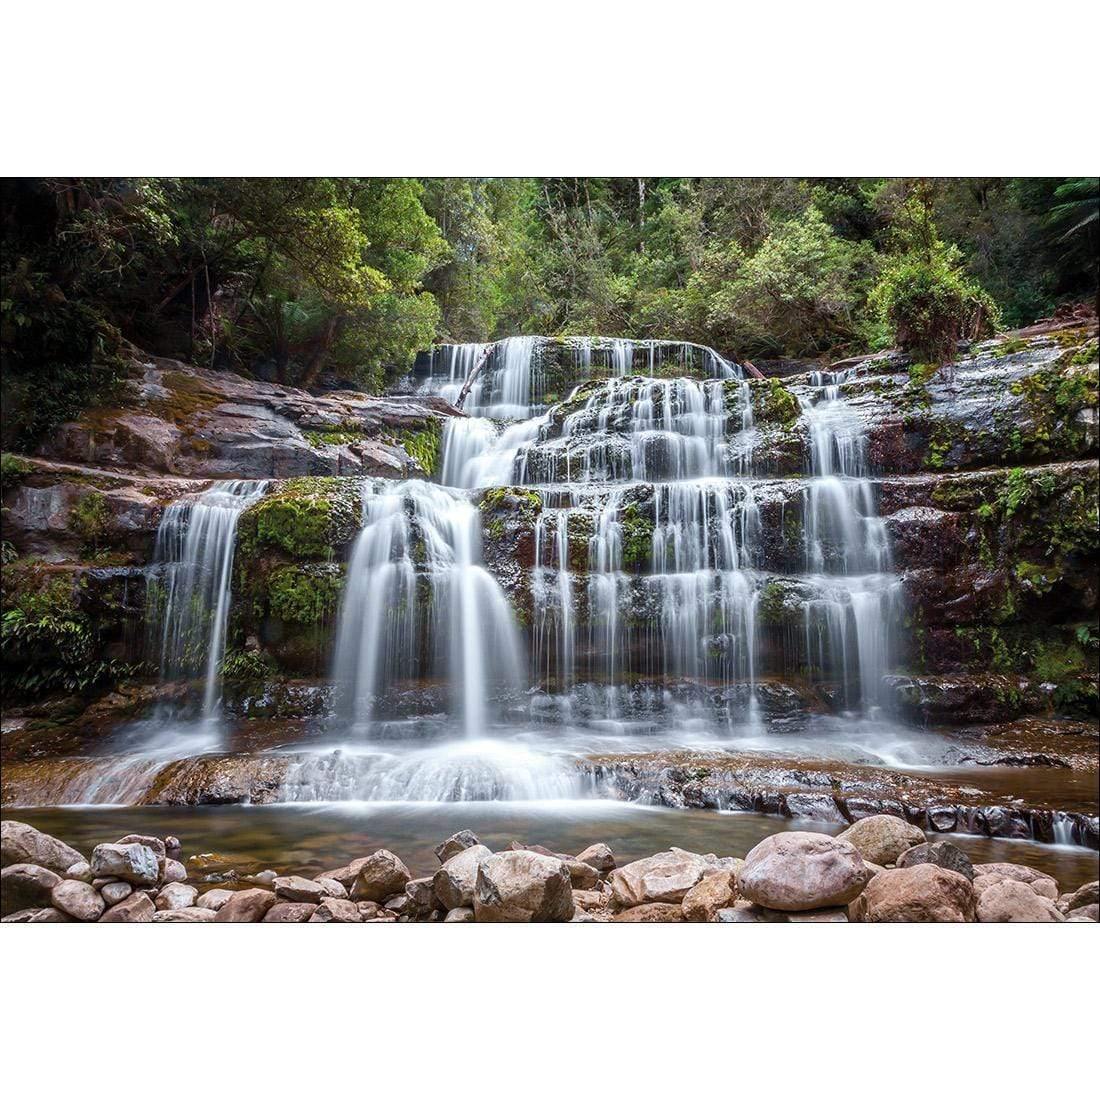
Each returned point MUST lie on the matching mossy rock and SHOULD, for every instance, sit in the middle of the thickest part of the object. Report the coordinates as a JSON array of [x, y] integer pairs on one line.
[[308, 518], [773, 403]]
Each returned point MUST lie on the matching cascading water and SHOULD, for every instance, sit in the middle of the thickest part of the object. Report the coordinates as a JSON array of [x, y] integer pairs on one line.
[[419, 604], [190, 582]]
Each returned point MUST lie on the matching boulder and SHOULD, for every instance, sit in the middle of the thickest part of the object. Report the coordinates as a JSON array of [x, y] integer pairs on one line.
[[80, 900], [940, 852], [134, 863], [47, 915], [420, 897], [290, 912], [81, 871], [245, 907], [455, 844], [1089, 894], [796, 870], [835, 915], [462, 915], [1012, 902], [599, 856], [1085, 913], [25, 886], [665, 877], [297, 888], [213, 899], [582, 875], [715, 891], [176, 895], [370, 910], [882, 838], [652, 912], [986, 874], [20, 843], [153, 842], [114, 892], [191, 914], [174, 871], [336, 911], [590, 900], [455, 881], [347, 875], [924, 893], [135, 909], [522, 886], [331, 888], [379, 876]]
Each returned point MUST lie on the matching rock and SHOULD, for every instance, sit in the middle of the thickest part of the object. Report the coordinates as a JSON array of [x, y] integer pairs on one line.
[[174, 871], [213, 899], [653, 912], [715, 891], [80, 900], [940, 852], [336, 911], [522, 886], [924, 893], [245, 907], [1089, 894], [599, 856], [114, 892], [296, 888], [331, 888], [191, 914], [796, 870], [420, 897], [455, 881], [985, 874], [172, 846], [47, 915], [265, 879], [20, 843], [835, 915], [153, 842], [1012, 902], [590, 900], [81, 871], [1085, 913], [25, 886], [462, 915], [582, 875], [134, 863], [290, 912], [665, 877], [380, 876], [455, 844], [135, 909], [176, 895], [369, 910], [882, 838], [346, 876]]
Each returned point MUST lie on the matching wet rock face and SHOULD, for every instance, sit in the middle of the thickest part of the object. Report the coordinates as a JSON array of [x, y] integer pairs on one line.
[[210, 424]]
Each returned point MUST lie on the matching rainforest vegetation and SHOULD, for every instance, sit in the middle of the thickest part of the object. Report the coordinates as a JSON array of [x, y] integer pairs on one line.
[[297, 280]]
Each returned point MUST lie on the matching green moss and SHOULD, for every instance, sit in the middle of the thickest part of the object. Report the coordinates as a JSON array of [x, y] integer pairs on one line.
[[306, 518], [922, 373], [304, 593], [424, 446], [12, 471], [773, 403], [771, 606], [334, 438], [637, 536]]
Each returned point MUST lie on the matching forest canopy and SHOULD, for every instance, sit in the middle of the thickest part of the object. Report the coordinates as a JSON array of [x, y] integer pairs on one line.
[[298, 279]]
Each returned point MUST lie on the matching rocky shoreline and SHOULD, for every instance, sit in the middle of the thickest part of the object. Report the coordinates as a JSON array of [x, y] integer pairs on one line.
[[882, 869]]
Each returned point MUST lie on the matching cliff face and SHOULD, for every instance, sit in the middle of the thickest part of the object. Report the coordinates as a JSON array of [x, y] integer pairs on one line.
[[984, 472]]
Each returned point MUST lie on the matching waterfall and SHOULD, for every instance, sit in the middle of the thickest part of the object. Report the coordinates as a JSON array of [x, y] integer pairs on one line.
[[849, 623], [190, 583], [419, 604]]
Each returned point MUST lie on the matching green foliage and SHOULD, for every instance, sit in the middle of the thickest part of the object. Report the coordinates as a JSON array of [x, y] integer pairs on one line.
[[12, 471], [923, 295], [90, 520], [247, 666], [637, 538], [425, 446], [773, 403], [46, 643]]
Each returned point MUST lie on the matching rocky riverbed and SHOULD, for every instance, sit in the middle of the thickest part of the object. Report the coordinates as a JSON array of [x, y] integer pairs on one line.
[[880, 869]]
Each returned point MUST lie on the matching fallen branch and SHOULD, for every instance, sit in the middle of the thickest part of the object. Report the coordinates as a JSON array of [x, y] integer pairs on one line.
[[470, 378]]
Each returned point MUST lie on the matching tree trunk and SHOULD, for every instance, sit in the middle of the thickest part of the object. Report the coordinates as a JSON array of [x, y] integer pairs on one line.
[[316, 362]]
